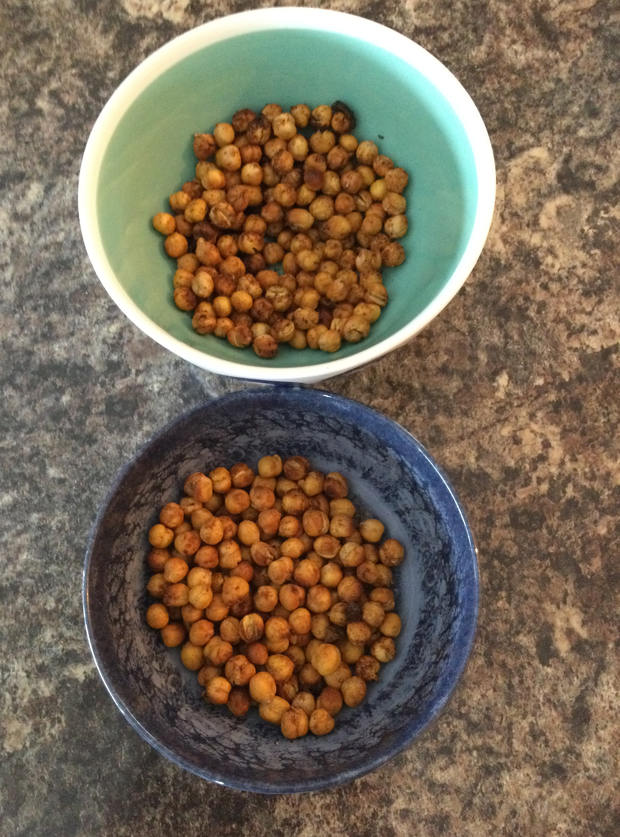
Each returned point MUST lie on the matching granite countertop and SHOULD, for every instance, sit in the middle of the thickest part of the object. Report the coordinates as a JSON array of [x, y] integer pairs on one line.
[[513, 388]]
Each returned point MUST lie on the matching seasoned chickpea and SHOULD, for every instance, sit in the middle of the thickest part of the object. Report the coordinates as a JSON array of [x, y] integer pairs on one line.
[[176, 595], [157, 616], [320, 722], [257, 653], [266, 598], [281, 570], [272, 710], [237, 501], [238, 701], [206, 557], [234, 589], [350, 589], [230, 630], [359, 633], [218, 690], [248, 532], [156, 586], [175, 569], [160, 536], [262, 687], [307, 573], [326, 658], [241, 475], [383, 649], [239, 670], [371, 530], [187, 543], [173, 634], [391, 625], [391, 552], [292, 596], [319, 599], [304, 701], [280, 667], [270, 466], [373, 613], [300, 620], [171, 515], [351, 554], [294, 723], [327, 546], [217, 609], [191, 656]]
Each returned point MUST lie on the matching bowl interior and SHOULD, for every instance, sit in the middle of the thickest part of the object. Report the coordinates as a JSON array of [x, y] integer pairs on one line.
[[150, 155], [391, 478]]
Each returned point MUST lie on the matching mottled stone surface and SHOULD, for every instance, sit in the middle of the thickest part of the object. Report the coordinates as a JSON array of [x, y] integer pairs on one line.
[[514, 389]]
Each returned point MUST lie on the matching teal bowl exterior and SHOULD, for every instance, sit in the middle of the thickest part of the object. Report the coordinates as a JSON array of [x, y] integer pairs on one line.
[[140, 151], [391, 477]]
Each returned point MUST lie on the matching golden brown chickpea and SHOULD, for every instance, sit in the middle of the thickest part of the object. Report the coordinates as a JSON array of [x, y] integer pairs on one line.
[[200, 596], [252, 628], [198, 486], [367, 572], [312, 484], [338, 677], [319, 626], [230, 630], [307, 573], [359, 633], [277, 629], [257, 653], [206, 557], [263, 553], [292, 596], [187, 543], [266, 598], [326, 658], [176, 595], [164, 223], [304, 701], [191, 656], [217, 610], [280, 667], [373, 613], [372, 530], [350, 589], [182, 527], [281, 570], [289, 527], [173, 634], [300, 620], [270, 466], [273, 709], [241, 475], [293, 547], [262, 498], [199, 517], [157, 616], [218, 690], [157, 558], [239, 670], [262, 687], [171, 515], [238, 701], [383, 576], [391, 625], [391, 552], [383, 649], [237, 501], [160, 536], [217, 651], [234, 589], [341, 526], [341, 506], [327, 546], [156, 586], [248, 532], [294, 723], [353, 691], [315, 522], [268, 521], [321, 722], [384, 596], [212, 531], [175, 570], [351, 554], [318, 599]]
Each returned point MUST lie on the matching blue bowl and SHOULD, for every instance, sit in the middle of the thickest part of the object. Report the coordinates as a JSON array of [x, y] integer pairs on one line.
[[393, 478]]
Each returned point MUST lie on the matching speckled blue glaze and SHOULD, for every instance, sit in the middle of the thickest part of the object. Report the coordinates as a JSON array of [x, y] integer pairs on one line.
[[393, 478]]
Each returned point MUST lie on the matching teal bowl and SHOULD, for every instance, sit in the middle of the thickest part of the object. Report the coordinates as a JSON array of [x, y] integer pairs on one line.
[[140, 150]]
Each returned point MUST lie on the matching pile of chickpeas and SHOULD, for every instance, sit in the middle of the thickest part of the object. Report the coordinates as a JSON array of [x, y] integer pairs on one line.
[[275, 591], [293, 190]]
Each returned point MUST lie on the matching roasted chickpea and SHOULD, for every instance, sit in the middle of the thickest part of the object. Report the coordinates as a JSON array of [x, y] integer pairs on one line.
[[218, 690], [318, 599], [230, 630], [238, 701], [294, 723], [304, 701], [272, 710], [367, 667], [237, 500], [251, 628], [156, 586], [371, 530], [160, 536], [239, 670], [383, 649], [320, 722], [157, 616], [262, 687], [173, 634]]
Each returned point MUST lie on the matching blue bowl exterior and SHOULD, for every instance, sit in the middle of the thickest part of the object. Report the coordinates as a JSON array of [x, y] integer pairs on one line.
[[392, 477]]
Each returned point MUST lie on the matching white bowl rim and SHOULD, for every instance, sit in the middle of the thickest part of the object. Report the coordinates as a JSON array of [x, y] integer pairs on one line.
[[256, 20]]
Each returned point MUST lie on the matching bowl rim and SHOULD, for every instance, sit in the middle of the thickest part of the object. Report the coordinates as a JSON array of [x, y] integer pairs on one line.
[[256, 20], [449, 680]]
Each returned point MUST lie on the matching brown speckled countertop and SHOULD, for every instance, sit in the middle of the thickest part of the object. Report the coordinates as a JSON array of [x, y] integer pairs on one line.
[[513, 388]]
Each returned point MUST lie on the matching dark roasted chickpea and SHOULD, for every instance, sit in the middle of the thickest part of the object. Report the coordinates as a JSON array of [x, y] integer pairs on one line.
[[238, 701], [157, 558]]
